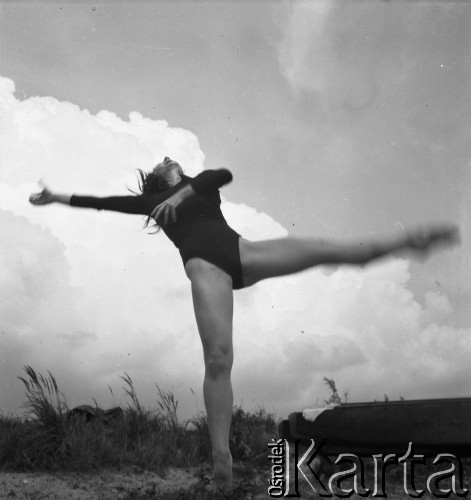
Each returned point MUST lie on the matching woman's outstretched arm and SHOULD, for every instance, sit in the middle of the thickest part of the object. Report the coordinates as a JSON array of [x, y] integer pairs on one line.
[[125, 204], [46, 197], [139, 205], [150, 205]]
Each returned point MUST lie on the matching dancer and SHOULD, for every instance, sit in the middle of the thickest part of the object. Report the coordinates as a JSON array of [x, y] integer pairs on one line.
[[217, 260]]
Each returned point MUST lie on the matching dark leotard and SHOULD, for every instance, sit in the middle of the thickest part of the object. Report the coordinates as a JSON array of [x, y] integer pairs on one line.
[[200, 230]]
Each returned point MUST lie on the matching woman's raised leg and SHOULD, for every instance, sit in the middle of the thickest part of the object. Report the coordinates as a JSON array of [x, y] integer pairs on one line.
[[267, 259], [213, 305]]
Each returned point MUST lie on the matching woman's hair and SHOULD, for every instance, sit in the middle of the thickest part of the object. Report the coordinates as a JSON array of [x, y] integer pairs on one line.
[[149, 183]]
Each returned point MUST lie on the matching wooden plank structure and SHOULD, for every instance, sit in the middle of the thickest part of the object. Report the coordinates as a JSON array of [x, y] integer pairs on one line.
[[432, 425]]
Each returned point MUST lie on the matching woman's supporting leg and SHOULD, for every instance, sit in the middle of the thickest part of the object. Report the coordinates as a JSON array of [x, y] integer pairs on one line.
[[267, 259], [213, 305]]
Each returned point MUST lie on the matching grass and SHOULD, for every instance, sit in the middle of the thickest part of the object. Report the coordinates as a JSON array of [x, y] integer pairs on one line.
[[47, 439], [139, 438]]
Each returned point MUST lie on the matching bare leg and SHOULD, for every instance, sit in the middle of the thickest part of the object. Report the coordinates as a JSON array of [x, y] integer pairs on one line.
[[267, 259], [213, 305]]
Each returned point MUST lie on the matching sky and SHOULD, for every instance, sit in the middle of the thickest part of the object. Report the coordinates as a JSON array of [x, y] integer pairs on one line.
[[341, 120]]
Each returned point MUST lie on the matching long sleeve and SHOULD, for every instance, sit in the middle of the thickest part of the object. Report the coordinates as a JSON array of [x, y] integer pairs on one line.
[[210, 180], [144, 204], [140, 204]]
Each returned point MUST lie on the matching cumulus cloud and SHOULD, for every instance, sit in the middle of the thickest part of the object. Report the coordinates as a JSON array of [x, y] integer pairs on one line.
[[90, 295], [131, 298], [38, 306], [364, 328]]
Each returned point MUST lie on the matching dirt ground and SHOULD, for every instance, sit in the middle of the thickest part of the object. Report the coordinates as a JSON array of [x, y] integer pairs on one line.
[[132, 483], [107, 485]]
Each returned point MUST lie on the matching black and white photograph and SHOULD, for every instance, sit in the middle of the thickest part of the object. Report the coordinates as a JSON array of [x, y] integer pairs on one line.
[[235, 249]]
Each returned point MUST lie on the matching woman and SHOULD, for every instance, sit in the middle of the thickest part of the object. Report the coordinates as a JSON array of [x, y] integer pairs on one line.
[[217, 260]]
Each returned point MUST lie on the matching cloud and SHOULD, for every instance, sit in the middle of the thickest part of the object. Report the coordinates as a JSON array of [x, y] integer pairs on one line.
[[386, 102], [351, 55], [130, 298], [364, 328], [91, 295], [306, 46], [326, 52], [37, 304]]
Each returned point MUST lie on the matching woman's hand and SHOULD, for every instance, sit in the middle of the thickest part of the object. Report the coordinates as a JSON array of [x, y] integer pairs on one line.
[[167, 210], [44, 197]]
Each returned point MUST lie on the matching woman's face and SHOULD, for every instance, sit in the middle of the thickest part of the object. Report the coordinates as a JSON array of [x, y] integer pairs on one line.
[[169, 171]]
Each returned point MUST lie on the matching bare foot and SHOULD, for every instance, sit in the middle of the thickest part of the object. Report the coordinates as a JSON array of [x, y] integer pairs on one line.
[[222, 463], [426, 239]]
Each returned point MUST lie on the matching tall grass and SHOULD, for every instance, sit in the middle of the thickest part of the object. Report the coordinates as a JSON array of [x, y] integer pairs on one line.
[[47, 439], [334, 394]]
